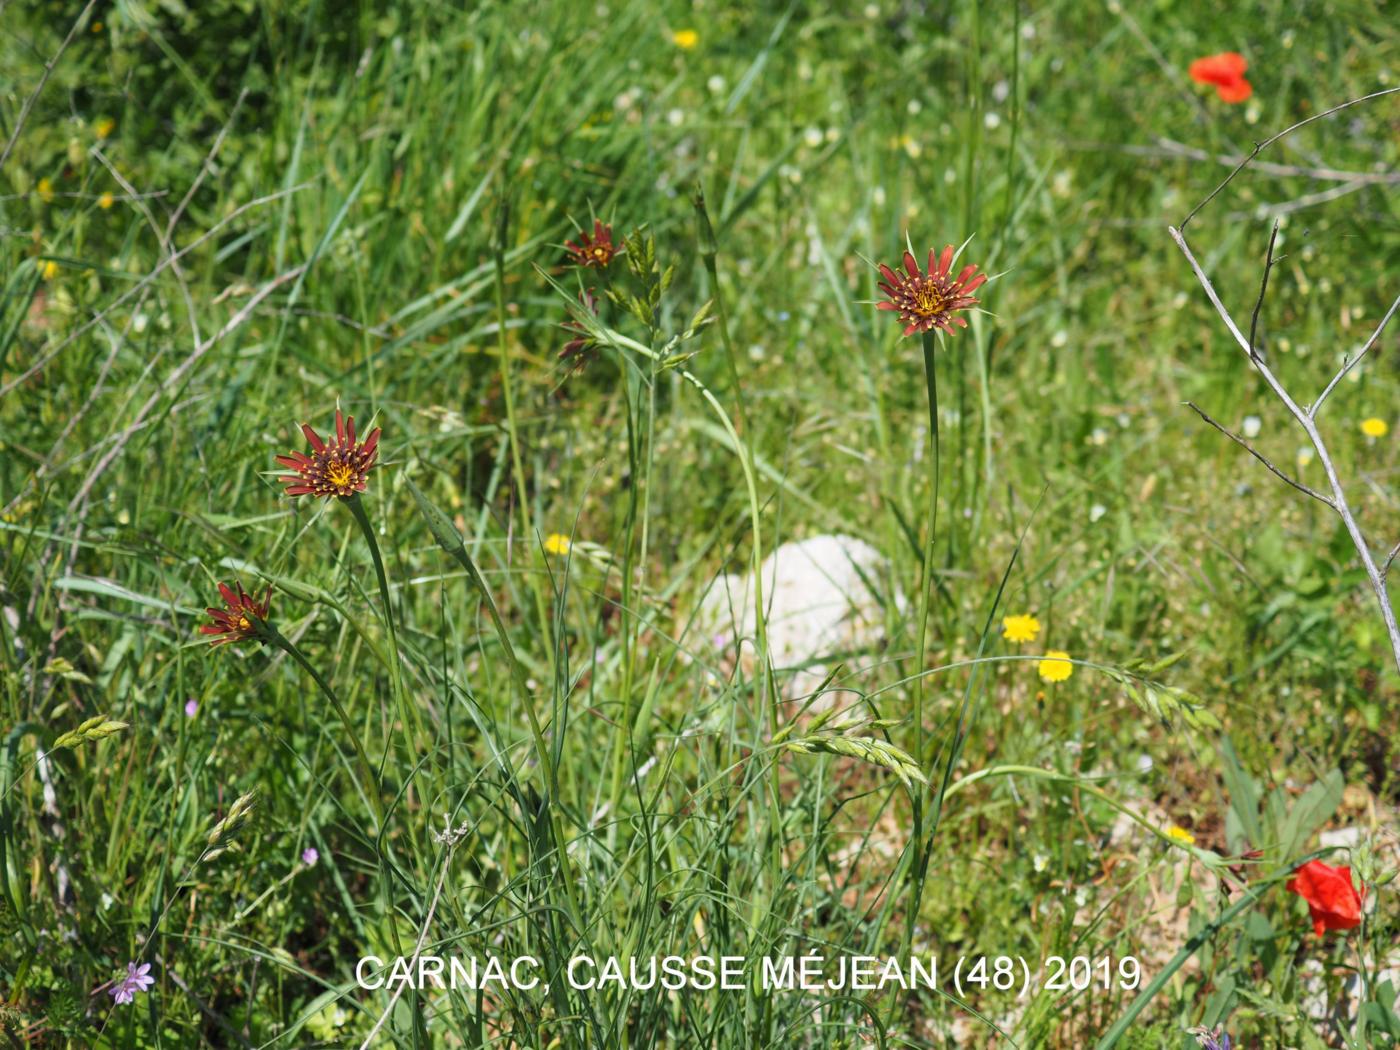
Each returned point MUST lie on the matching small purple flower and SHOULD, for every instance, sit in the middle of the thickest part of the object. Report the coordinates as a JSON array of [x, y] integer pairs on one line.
[[1211, 1039], [309, 856], [137, 979], [191, 706]]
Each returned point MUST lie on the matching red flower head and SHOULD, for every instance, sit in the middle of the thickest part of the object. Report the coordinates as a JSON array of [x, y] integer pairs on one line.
[[925, 301], [233, 623], [1226, 72], [335, 468], [1332, 900], [597, 250]]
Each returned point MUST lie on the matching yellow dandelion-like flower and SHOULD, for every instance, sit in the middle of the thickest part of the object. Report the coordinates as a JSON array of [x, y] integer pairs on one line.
[[45, 189], [1055, 667], [685, 39], [1181, 835], [49, 270], [104, 127], [1022, 628], [1375, 428], [106, 201], [555, 543]]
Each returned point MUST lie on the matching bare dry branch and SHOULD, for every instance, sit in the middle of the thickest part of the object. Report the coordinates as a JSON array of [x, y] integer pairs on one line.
[[44, 79], [1306, 422], [1168, 148], [1312, 412], [1260, 456], [1260, 147], [1263, 288]]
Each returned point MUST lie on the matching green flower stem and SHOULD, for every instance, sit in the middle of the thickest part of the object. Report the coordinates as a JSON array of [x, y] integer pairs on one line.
[[765, 690], [1246, 900], [450, 540], [407, 711], [628, 630], [512, 427], [372, 789], [763, 683], [371, 786], [926, 585]]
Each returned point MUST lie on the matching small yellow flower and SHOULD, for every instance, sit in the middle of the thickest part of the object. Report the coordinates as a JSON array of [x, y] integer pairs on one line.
[[45, 188], [685, 39], [1375, 428], [1022, 628], [555, 543], [1055, 667], [1181, 835], [104, 127], [49, 270], [106, 201]]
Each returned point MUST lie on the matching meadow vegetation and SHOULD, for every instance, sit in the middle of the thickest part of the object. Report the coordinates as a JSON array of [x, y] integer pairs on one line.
[[476, 715]]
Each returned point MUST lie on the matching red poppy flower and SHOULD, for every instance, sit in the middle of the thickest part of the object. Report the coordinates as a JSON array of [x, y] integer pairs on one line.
[[597, 250], [337, 467], [233, 624], [1332, 900], [1226, 72], [925, 301]]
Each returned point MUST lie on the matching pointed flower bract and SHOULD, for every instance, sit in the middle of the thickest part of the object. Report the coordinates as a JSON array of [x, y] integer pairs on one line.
[[930, 300], [337, 467]]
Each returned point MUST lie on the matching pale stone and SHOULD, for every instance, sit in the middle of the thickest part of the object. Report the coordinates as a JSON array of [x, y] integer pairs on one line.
[[822, 599]]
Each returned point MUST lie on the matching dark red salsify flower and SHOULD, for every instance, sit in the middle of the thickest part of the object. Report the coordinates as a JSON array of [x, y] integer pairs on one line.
[[1226, 72], [596, 250], [233, 624], [1332, 900], [337, 467], [929, 300], [581, 342]]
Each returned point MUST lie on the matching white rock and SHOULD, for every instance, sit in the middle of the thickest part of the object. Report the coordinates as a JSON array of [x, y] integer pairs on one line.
[[821, 597], [1344, 838]]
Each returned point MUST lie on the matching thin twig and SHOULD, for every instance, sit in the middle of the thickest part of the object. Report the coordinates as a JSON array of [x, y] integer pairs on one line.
[[417, 949], [1263, 288], [1260, 147], [1312, 412], [1169, 148], [173, 380], [1308, 200], [1385, 569], [44, 79], [160, 267], [1260, 456]]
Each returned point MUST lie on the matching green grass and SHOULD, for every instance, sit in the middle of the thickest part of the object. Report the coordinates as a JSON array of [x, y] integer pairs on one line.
[[365, 205]]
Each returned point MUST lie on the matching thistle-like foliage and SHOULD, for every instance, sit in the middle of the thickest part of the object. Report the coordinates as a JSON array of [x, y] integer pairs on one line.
[[1167, 703], [220, 837], [831, 732], [648, 275], [93, 729]]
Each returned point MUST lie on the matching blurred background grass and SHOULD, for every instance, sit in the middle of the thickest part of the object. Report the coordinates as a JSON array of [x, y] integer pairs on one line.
[[355, 157]]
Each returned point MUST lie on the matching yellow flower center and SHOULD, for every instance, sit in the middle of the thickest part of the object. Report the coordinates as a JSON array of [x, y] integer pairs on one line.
[[245, 624], [340, 474], [928, 300]]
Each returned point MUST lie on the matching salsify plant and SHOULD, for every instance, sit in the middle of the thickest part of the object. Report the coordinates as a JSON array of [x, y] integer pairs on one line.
[[930, 304]]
